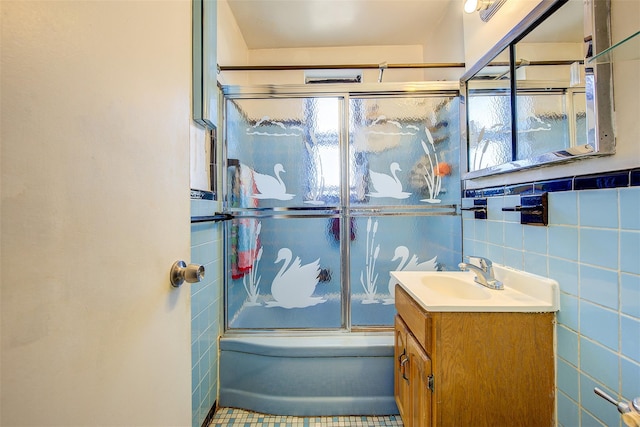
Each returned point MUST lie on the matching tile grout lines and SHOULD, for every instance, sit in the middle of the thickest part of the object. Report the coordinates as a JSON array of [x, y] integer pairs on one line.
[[239, 417]]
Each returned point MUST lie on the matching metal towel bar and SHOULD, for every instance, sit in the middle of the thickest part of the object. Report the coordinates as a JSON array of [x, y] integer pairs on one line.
[[211, 218]]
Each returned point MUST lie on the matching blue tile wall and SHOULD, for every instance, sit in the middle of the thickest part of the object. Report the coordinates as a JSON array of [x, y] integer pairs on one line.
[[629, 258], [629, 209], [592, 248], [630, 374], [568, 380], [206, 309], [568, 411], [630, 294], [598, 208]]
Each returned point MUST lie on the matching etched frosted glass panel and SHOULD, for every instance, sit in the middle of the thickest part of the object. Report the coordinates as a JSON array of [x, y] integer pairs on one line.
[[283, 152], [381, 244], [489, 128], [284, 273], [284, 260], [580, 117], [403, 150], [542, 124]]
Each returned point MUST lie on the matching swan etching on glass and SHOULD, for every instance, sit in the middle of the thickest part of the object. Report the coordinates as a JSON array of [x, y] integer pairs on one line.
[[265, 127], [408, 264], [388, 185], [271, 187], [294, 283]]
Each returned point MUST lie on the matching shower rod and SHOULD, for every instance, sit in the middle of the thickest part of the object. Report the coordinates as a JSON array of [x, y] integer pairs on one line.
[[338, 66], [380, 66]]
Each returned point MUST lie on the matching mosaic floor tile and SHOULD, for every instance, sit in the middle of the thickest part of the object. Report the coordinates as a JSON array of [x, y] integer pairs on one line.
[[238, 417]]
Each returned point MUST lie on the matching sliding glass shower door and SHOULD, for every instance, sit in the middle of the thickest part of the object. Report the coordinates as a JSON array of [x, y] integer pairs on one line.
[[329, 193]]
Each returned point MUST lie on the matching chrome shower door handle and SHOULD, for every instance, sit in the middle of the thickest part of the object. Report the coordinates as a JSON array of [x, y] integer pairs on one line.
[[181, 272]]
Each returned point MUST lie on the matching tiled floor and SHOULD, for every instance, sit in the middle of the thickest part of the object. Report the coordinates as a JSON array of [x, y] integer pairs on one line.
[[239, 417]]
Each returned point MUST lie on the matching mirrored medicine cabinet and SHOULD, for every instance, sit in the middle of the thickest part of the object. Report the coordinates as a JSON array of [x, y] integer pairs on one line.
[[535, 99]]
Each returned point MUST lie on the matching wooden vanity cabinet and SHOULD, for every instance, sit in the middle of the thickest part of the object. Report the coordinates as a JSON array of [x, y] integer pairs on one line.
[[420, 380], [473, 368], [412, 376], [402, 370]]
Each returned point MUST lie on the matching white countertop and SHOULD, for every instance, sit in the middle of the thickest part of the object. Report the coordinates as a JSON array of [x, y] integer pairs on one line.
[[456, 291]]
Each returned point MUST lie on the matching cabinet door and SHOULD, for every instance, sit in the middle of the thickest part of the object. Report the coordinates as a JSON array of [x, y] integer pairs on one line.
[[401, 375], [419, 373]]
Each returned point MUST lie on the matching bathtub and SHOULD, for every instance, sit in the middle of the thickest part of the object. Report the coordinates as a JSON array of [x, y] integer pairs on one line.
[[343, 374]]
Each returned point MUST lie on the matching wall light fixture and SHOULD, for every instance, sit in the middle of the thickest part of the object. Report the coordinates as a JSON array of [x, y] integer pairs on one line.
[[486, 8]]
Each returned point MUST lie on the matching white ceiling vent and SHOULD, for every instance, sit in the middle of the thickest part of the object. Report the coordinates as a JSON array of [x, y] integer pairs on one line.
[[332, 76]]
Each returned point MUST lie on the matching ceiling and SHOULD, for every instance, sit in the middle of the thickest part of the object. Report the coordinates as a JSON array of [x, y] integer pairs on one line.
[[272, 24]]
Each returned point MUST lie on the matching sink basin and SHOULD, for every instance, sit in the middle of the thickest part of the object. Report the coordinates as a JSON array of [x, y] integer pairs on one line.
[[455, 285], [458, 291]]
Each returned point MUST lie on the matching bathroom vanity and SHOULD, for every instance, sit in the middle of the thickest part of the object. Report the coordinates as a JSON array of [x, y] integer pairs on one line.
[[473, 365]]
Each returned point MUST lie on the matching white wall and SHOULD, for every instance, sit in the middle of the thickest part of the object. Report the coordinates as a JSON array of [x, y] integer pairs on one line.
[[336, 55], [232, 49], [95, 134], [445, 43], [480, 37]]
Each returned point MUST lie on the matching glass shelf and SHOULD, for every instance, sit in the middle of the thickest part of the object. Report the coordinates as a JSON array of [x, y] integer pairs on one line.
[[627, 49]]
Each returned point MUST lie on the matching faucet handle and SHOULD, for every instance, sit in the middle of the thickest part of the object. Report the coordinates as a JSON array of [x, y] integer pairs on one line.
[[485, 263]]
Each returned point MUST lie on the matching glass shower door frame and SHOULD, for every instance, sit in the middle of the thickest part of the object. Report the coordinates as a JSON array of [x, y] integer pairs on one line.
[[344, 209]]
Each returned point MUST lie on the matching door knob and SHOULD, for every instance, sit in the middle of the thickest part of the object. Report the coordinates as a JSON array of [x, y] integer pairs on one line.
[[180, 272]]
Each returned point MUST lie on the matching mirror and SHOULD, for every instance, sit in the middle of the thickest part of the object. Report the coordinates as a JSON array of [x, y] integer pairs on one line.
[[489, 115], [533, 101], [550, 97]]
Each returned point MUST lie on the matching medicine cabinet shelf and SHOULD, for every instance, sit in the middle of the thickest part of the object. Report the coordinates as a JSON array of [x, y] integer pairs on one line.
[[625, 50]]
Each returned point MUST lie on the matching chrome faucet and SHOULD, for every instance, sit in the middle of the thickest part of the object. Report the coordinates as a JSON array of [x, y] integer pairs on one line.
[[484, 272]]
